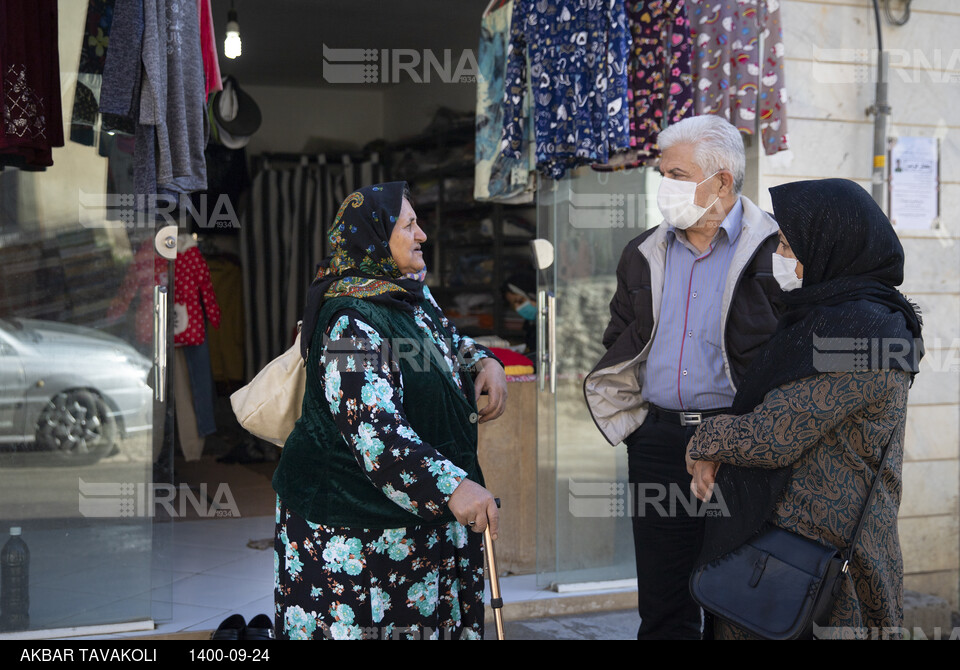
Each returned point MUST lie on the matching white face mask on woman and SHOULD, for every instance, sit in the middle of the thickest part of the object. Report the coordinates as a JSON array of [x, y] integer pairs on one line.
[[676, 200], [785, 272]]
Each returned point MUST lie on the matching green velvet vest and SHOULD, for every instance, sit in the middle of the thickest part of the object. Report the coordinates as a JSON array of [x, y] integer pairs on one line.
[[318, 476]]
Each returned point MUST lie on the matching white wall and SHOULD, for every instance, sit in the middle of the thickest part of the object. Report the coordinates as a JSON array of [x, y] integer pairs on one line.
[[832, 136]]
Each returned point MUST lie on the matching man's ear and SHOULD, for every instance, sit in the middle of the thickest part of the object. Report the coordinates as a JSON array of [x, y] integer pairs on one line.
[[726, 183]]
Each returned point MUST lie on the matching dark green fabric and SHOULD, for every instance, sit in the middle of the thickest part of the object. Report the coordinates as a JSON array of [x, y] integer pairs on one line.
[[318, 476]]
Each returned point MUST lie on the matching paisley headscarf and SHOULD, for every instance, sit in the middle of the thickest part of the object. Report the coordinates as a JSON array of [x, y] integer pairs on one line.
[[360, 264]]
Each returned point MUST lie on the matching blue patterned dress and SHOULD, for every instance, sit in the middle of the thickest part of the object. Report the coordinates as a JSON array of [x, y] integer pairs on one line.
[[578, 52], [423, 582]]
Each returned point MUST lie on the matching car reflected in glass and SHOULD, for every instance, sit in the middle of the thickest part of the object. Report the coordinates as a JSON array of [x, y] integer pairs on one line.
[[70, 391]]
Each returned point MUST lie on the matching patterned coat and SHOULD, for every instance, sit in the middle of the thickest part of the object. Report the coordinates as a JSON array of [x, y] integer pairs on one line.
[[832, 428]]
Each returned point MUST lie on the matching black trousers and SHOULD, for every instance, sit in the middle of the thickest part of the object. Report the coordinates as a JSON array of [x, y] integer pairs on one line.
[[667, 530]]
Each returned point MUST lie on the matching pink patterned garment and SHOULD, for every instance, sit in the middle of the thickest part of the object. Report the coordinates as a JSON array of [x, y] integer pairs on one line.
[[732, 77], [659, 70]]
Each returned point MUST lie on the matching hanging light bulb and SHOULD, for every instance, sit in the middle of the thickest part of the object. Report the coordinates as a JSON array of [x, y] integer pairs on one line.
[[231, 44]]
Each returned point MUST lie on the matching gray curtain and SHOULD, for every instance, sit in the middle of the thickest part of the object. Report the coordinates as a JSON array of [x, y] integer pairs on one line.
[[283, 237]]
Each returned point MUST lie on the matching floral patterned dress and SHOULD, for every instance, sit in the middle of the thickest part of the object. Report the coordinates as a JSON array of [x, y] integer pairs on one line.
[[423, 582]]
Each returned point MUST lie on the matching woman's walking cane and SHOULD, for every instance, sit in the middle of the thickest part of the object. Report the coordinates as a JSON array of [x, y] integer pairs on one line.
[[496, 602]]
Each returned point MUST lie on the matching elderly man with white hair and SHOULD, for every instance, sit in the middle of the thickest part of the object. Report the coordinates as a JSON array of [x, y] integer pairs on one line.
[[695, 300]]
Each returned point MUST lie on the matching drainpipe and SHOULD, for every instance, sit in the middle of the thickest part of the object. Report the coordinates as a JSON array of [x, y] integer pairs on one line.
[[881, 111]]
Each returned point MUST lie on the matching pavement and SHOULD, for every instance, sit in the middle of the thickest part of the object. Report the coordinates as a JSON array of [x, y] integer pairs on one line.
[[614, 625]]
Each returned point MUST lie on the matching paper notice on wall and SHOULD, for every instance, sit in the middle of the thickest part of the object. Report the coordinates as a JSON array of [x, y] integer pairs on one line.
[[914, 182]]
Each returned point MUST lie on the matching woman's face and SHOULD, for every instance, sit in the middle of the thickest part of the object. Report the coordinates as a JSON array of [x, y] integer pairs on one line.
[[405, 241], [515, 299], [785, 251]]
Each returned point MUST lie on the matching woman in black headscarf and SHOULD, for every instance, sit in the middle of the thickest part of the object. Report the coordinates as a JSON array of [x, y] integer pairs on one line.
[[821, 401], [378, 485]]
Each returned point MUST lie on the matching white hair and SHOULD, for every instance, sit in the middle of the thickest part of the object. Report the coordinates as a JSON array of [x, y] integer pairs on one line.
[[717, 145]]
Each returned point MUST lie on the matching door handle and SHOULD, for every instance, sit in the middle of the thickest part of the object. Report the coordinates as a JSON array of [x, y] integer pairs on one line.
[[159, 342], [552, 339], [547, 339]]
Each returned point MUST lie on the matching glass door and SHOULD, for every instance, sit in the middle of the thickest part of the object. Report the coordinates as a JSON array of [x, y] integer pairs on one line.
[[82, 348], [584, 223]]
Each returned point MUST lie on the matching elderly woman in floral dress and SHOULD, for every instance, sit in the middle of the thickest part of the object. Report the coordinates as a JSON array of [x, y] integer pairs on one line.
[[379, 486]]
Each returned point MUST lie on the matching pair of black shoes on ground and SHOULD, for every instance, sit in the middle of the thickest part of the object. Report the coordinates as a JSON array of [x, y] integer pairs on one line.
[[234, 627]]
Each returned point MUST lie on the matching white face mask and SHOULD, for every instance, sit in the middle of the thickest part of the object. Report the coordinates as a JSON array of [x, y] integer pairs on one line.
[[785, 272], [676, 198]]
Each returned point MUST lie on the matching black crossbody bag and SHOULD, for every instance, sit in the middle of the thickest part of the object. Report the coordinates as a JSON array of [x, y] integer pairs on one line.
[[778, 585]]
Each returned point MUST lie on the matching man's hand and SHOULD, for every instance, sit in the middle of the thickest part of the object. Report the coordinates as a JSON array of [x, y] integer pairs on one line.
[[475, 507], [493, 380]]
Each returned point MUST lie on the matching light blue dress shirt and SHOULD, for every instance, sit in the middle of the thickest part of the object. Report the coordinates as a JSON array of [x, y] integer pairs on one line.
[[685, 365]]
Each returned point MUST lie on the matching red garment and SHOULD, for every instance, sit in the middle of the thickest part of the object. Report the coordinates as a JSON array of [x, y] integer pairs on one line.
[[193, 294], [31, 115], [193, 297], [208, 46]]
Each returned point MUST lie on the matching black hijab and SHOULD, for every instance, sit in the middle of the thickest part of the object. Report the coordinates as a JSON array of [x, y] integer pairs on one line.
[[847, 316], [360, 264]]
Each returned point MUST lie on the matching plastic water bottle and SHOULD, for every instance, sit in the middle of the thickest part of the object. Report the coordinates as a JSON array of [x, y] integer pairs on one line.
[[15, 583]]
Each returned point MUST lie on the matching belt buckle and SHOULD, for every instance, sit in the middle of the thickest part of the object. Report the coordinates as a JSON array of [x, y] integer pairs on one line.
[[691, 418]]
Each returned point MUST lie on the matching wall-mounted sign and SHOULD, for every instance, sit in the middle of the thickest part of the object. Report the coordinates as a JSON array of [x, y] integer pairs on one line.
[[914, 182]]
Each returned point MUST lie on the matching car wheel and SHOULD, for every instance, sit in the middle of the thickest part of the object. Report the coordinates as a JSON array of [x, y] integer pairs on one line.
[[77, 427]]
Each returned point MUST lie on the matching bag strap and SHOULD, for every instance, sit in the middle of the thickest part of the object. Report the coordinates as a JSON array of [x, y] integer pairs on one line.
[[848, 554]]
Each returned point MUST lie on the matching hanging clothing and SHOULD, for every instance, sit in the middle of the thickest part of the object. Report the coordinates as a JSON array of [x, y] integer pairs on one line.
[[202, 391], [173, 100], [208, 45], [93, 55], [733, 78], [193, 296], [579, 78], [226, 342], [660, 71], [498, 177], [120, 87], [188, 435], [154, 75], [31, 117]]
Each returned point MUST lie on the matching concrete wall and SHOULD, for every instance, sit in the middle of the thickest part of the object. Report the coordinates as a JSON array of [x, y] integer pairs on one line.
[[832, 136]]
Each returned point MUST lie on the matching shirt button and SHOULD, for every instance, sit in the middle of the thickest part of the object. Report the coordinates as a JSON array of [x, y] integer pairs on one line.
[[474, 417], [694, 294], [684, 373], [690, 334]]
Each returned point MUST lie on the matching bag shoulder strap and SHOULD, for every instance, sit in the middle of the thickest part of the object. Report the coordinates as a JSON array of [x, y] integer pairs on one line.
[[848, 554]]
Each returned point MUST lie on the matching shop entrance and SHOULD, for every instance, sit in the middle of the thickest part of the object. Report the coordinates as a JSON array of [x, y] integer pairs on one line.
[[585, 221]]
